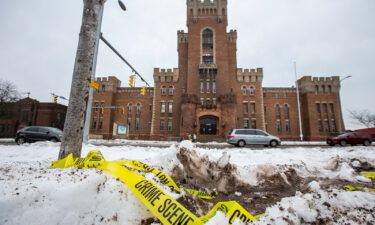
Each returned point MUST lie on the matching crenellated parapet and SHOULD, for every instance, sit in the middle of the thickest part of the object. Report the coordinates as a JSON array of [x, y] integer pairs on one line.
[[250, 75], [206, 8], [232, 36], [166, 75], [110, 83], [319, 84], [182, 37]]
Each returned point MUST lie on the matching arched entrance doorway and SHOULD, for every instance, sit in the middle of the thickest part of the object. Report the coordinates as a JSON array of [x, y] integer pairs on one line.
[[208, 125]]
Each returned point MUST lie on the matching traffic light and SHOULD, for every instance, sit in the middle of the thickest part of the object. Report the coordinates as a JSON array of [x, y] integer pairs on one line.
[[143, 90], [55, 99], [131, 81], [102, 110]]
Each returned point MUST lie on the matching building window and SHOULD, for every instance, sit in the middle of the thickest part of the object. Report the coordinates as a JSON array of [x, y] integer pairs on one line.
[[318, 108], [202, 87], [202, 101], [96, 107], [252, 108], [100, 124], [252, 91], [207, 47], [320, 126], [138, 109], [287, 126], [246, 123], [208, 87], [170, 107], [332, 108], [163, 91], [162, 124], [253, 124], [329, 89], [103, 87], [214, 87], [326, 126], [324, 108], [171, 91], [316, 89], [245, 108], [286, 110], [243, 90], [277, 110], [129, 123], [333, 125], [94, 124], [278, 127], [324, 89], [163, 107], [137, 124], [214, 101], [130, 108], [169, 124]]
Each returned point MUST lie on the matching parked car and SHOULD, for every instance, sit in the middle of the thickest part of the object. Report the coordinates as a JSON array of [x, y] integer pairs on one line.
[[37, 133], [242, 137], [352, 138]]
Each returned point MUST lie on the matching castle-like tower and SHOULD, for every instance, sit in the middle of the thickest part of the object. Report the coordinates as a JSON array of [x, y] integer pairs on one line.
[[209, 95]]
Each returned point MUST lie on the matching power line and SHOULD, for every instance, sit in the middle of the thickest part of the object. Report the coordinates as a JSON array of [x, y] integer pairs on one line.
[[123, 59]]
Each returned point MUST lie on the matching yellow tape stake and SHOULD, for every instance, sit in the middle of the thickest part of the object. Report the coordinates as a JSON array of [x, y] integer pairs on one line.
[[163, 206]]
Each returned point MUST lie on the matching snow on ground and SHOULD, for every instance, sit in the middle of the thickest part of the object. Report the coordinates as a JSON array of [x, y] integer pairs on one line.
[[31, 193]]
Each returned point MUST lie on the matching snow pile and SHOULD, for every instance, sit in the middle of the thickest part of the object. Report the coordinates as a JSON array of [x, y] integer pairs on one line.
[[31, 193]]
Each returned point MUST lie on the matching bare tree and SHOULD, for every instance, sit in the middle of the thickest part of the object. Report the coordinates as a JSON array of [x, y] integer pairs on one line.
[[75, 118], [363, 117], [8, 92]]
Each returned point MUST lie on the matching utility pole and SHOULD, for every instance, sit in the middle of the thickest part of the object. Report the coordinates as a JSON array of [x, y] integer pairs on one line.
[[340, 119], [79, 93]]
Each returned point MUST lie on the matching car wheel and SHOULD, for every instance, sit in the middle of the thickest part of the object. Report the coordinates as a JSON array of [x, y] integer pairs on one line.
[[53, 140], [343, 143], [366, 143], [241, 144], [21, 140], [273, 143]]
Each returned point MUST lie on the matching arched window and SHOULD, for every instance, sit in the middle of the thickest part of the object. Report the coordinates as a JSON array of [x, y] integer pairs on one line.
[[138, 109], [286, 110], [171, 91], [277, 110], [323, 88], [329, 89], [163, 90], [130, 108], [252, 91], [208, 46], [316, 89], [243, 90]]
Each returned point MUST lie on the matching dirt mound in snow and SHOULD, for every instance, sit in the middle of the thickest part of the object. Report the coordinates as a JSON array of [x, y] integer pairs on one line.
[[221, 178]]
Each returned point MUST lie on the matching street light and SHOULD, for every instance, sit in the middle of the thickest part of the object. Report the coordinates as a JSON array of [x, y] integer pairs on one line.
[[339, 101], [86, 129]]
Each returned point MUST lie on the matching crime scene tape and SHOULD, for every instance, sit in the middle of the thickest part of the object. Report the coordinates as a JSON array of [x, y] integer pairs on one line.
[[369, 175], [351, 188], [164, 207]]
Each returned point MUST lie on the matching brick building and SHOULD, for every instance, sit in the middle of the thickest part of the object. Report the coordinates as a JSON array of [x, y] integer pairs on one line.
[[208, 95], [29, 112]]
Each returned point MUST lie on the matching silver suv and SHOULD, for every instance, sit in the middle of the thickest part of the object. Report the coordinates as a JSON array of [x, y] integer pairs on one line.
[[242, 137]]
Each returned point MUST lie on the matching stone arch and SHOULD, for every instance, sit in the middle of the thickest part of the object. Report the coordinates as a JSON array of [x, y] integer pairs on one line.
[[208, 125]]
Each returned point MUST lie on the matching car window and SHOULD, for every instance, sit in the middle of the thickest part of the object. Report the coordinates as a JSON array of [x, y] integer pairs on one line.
[[240, 132], [43, 130], [250, 132], [55, 130], [261, 133], [360, 134], [32, 129]]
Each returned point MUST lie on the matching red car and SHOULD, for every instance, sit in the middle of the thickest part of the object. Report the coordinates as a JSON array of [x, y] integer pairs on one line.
[[352, 138]]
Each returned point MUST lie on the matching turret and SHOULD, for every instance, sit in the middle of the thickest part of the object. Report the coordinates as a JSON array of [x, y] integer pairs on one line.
[[206, 8]]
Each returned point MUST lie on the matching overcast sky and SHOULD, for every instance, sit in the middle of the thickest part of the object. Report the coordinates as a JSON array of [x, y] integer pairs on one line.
[[39, 38]]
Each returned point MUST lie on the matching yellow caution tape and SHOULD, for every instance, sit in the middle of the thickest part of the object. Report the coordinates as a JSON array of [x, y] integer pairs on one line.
[[370, 175], [351, 188], [163, 206]]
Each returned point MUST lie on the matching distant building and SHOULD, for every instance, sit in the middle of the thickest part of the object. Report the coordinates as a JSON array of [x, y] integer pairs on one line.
[[209, 95], [29, 112]]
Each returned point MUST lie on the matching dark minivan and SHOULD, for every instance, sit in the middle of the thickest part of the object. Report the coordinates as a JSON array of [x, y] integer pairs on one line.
[[36, 133]]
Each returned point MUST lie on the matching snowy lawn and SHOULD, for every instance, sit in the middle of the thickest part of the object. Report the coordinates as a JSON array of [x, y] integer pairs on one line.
[[31, 193]]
